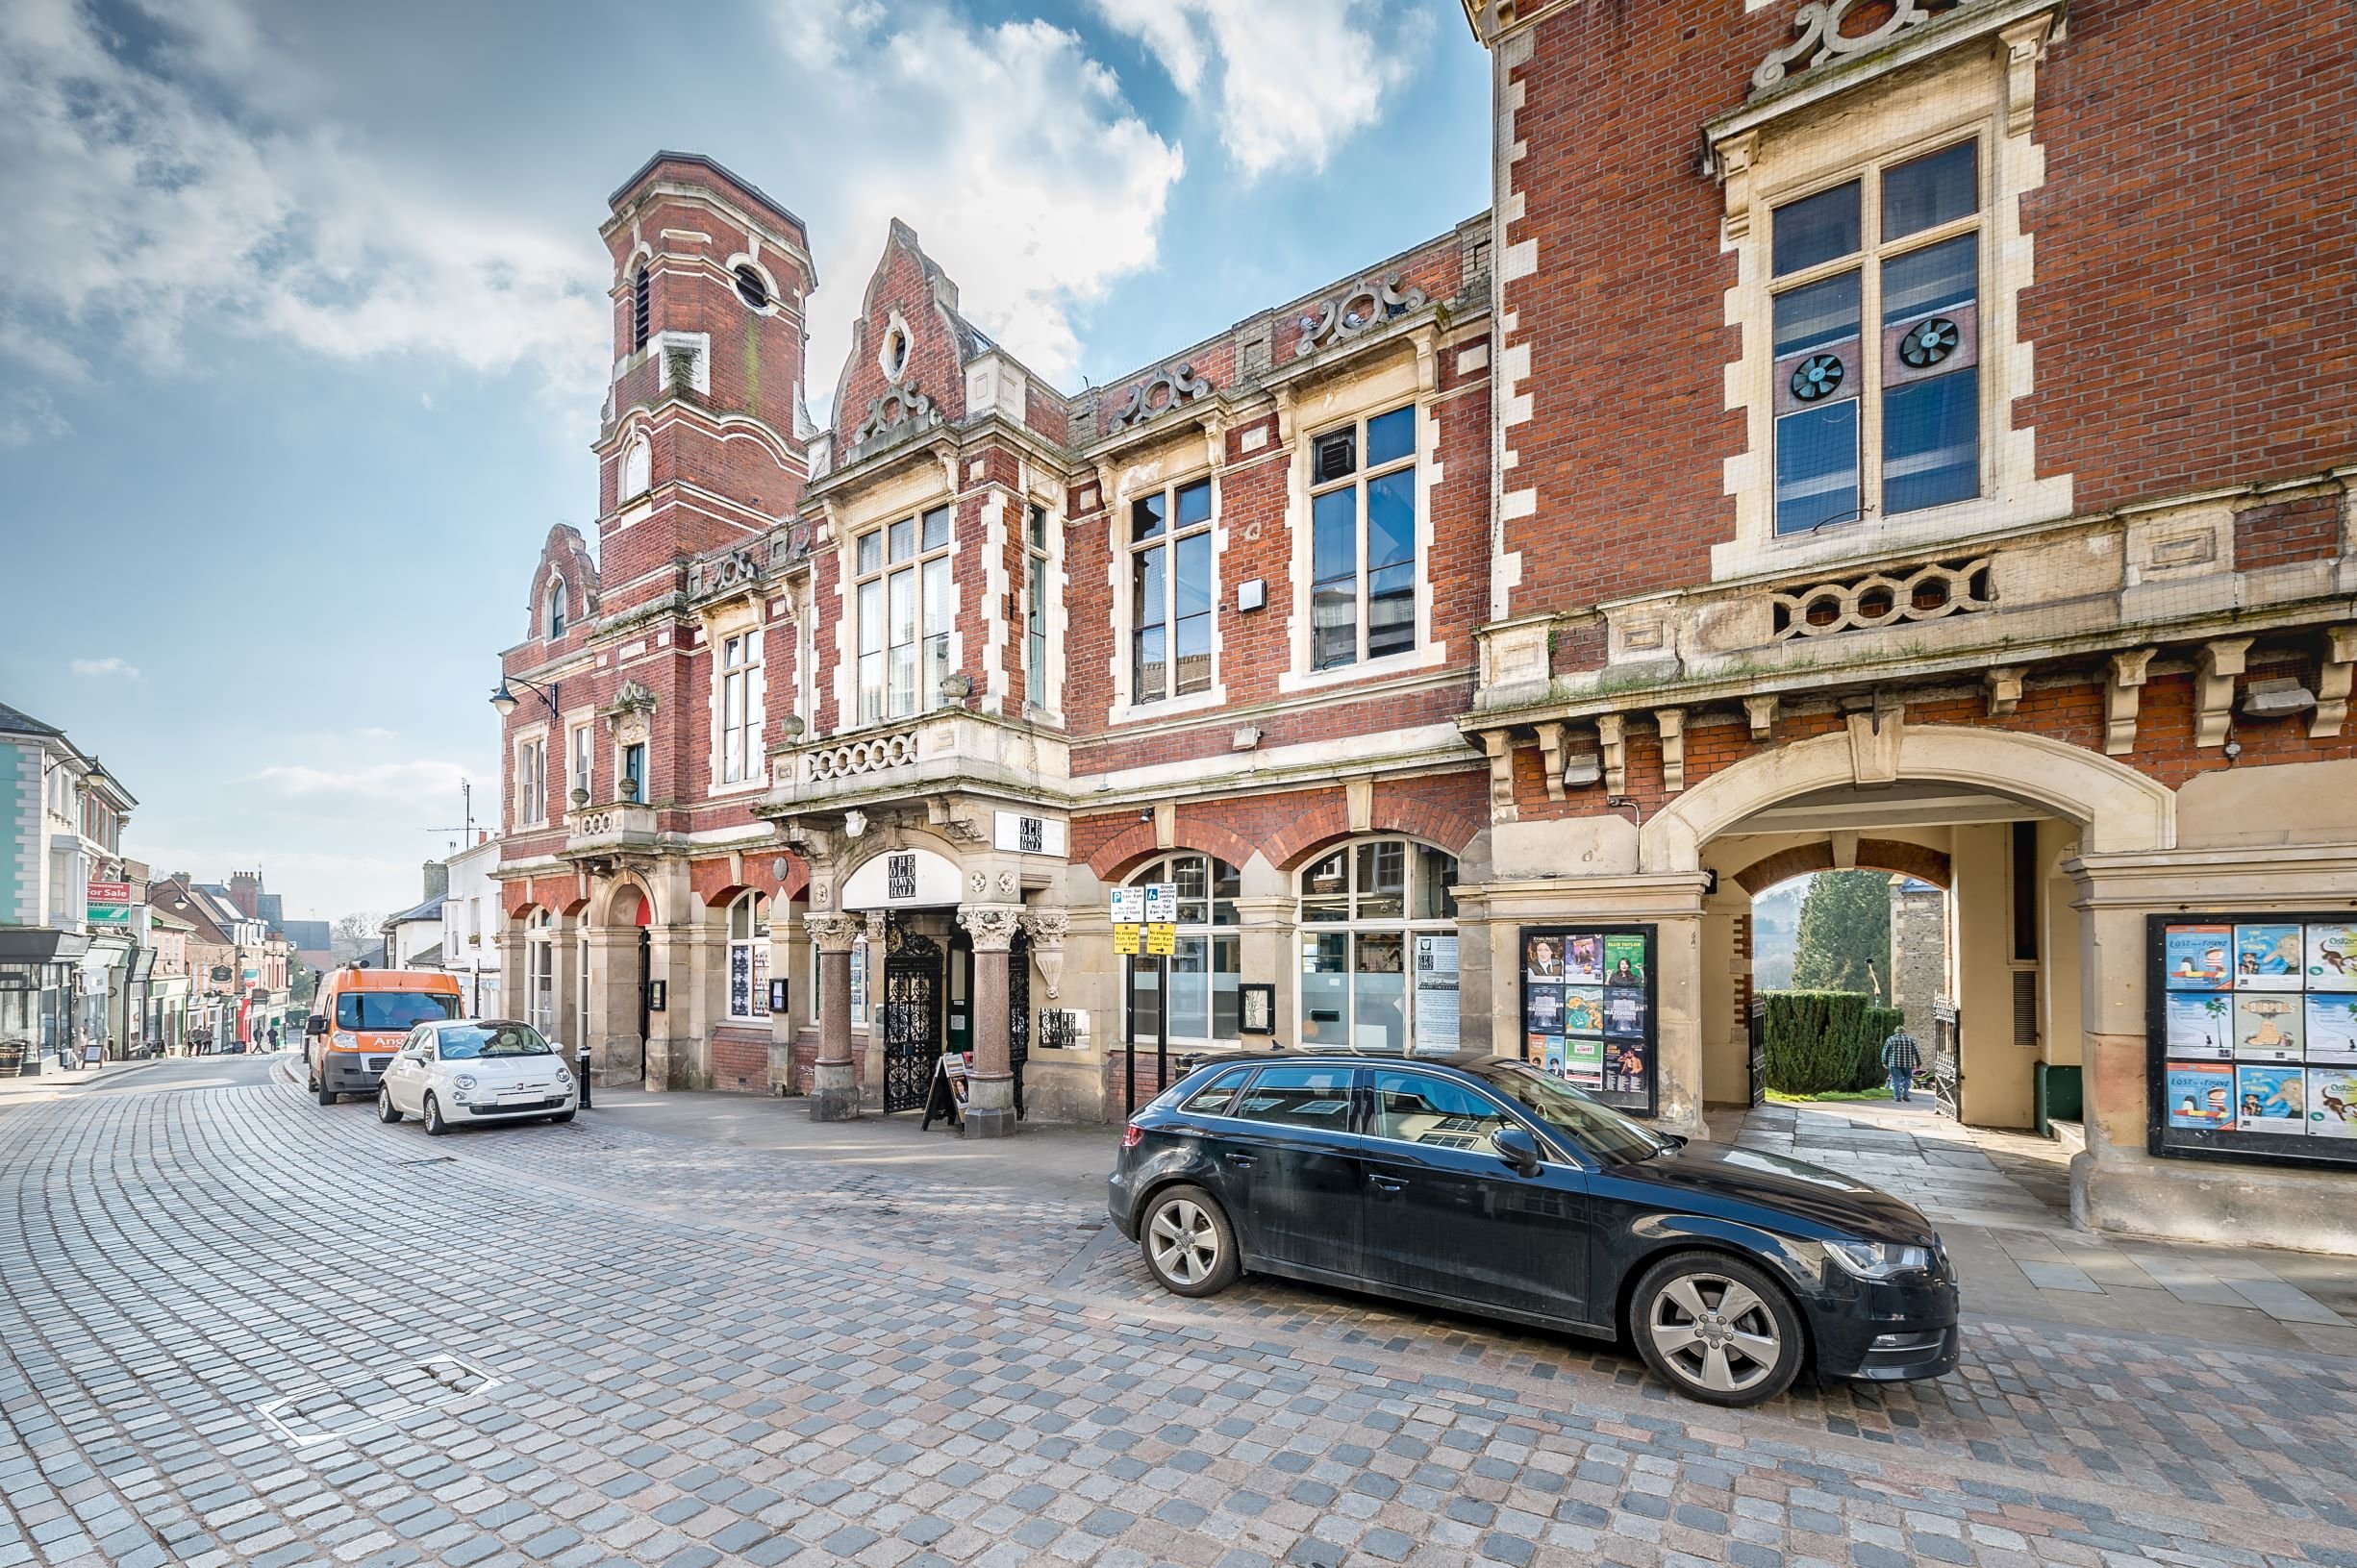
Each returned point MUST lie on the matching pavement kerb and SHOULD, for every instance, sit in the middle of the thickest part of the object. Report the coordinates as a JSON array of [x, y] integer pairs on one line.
[[1426, 1376]]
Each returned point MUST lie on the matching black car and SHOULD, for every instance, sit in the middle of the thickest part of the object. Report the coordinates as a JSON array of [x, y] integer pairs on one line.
[[1482, 1185]]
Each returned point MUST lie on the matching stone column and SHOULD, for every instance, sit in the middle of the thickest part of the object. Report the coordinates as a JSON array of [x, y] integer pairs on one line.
[[835, 1095], [989, 1094], [612, 1029]]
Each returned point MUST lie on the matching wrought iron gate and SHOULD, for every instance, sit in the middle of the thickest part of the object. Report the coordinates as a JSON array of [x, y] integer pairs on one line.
[[1019, 1010], [911, 1018], [1948, 1057], [1758, 1040]]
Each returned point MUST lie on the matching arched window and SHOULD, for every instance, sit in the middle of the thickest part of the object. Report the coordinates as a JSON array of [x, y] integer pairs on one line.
[[748, 957], [1207, 958], [752, 288], [640, 299], [554, 621], [638, 468], [1379, 948], [541, 971]]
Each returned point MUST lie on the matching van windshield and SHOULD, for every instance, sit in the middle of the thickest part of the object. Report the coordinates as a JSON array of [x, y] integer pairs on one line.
[[392, 1009]]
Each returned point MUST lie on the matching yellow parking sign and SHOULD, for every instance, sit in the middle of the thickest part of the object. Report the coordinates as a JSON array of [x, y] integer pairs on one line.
[[1161, 940], [1125, 941]]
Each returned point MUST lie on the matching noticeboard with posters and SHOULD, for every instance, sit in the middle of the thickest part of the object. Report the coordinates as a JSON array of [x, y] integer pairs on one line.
[[1589, 1010], [2252, 1024]]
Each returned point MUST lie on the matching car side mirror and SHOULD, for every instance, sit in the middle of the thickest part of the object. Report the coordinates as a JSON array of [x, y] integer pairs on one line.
[[316, 1024], [1516, 1147]]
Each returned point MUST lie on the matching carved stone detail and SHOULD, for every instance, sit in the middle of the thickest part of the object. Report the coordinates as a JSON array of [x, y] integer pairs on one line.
[[1048, 929], [1819, 22], [2213, 705], [1611, 735], [1550, 753], [2004, 690], [2332, 682], [1157, 394], [991, 926], [900, 403], [1672, 722], [2025, 45], [1366, 304], [1874, 740], [1930, 592], [2121, 697], [1499, 745], [834, 933], [1762, 712]]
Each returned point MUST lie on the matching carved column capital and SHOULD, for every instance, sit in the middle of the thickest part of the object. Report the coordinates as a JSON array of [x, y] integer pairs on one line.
[[991, 926], [833, 932], [1047, 928]]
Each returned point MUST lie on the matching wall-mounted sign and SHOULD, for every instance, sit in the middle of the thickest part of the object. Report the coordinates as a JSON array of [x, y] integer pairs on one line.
[[109, 904], [658, 992], [1162, 904], [1021, 834], [901, 878], [1256, 1008], [219, 971], [777, 994]]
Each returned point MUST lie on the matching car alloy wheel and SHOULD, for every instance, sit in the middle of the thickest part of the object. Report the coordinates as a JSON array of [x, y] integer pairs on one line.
[[431, 1113], [385, 1109], [1188, 1243], [1716, 1329]]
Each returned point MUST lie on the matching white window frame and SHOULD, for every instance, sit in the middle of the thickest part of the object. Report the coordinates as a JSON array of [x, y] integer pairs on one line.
[[929, 645], [532, 779], [738, 700], [1038, 577], [749, 915], [1354, 928], [1201, 933], [581, 761], [1168, 541], [1362, 475], [553, 619], [541, 972]]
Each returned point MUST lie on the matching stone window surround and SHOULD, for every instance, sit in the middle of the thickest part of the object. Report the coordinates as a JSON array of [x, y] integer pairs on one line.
[[741, 618], [1167, 467], [1057, 616], [537, 803], [752, 259], [1974, 76], [1304, 415], [922, 488]]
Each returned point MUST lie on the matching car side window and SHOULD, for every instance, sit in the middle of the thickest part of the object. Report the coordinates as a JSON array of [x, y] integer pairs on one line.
[[1217, 1098], [1317, 1097], [1437, 1113]]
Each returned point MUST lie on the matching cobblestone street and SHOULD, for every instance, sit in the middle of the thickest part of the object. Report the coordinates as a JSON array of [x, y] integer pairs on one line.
[[240, 1328]]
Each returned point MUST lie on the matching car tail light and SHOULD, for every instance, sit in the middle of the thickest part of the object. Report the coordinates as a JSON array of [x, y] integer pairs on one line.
[[1132, 1135]]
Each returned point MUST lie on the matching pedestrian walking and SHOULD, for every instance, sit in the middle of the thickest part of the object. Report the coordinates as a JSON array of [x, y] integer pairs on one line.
[[274, 1036], [1901, 1058]]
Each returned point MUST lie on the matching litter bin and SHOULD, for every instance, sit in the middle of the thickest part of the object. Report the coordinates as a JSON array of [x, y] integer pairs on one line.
[[11, 1058]]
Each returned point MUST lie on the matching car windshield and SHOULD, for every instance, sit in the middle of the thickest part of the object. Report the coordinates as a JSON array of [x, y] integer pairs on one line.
[[392, 1009], [475, 1042], [1592, 1126]]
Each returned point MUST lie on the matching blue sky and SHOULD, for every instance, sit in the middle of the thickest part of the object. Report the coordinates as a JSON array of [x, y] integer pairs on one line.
[[302, 321]]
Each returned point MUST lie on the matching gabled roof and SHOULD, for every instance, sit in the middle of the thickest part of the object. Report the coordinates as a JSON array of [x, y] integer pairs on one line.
[[426, 957], [16, 721], [165, 895], [430, 909]]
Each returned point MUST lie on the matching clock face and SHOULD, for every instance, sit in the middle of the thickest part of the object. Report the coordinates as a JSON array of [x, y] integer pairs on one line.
[[1816, 377], [1928, 342]]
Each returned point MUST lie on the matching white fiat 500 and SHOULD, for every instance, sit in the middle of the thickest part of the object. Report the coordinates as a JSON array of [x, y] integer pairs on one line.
[[453, 1070]]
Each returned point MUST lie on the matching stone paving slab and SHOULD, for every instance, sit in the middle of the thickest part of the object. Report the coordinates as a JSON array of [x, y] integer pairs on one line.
[[716, 1356]]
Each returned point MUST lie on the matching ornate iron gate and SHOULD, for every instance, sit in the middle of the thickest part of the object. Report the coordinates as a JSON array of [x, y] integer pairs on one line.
[[911, 1018], [1758, 1047], [1019, 1010], [1948, 1057]]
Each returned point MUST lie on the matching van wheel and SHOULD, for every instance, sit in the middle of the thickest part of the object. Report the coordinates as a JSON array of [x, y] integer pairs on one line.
[[1188, 1243], [327, 1096], [1715, 1328], [432, 1112]]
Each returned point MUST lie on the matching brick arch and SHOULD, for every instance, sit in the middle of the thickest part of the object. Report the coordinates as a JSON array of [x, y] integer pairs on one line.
[[1916, 861], [1137, 843], [1323, 826]]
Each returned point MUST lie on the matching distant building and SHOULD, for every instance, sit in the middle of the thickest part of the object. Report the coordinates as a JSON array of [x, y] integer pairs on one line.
[[69, 932], [470, 926], [413, 938]]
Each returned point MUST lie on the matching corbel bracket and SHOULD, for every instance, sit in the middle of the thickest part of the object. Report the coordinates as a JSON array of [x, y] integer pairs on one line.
[[1499, 745], [2004, 691], [2123, 694], [2214, 707], [2333, 681], [1612, 735], [1550, 749], [2025, 45], [1762, 711], [1672, 722]]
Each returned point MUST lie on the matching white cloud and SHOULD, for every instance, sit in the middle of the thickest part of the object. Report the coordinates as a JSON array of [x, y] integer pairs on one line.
[[189, 180], [371, 780], [1010, 150], [101, 669], [1294, 80]]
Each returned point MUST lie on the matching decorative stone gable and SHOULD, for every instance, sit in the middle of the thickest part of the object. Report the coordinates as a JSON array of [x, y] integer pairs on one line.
[[1156, 395]]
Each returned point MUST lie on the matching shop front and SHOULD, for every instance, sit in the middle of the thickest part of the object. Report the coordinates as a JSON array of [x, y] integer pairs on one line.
[[39, 972]]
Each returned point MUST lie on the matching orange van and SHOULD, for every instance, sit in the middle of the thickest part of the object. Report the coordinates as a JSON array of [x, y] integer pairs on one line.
[[359, 1019]]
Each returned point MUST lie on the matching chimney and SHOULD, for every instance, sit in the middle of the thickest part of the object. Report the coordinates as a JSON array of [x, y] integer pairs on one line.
[[437, 879], [246, 891]]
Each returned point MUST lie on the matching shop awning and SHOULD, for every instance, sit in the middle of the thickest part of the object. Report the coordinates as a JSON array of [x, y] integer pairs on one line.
[[37, 944]]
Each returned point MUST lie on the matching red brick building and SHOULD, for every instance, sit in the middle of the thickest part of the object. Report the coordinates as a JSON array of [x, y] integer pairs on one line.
[[1857, 435]]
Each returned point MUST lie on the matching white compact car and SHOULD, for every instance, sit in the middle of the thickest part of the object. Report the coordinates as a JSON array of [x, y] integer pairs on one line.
[[453, 1070]]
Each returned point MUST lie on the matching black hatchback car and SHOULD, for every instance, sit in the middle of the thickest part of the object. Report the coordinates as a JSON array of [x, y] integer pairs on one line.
[[1482, 1185]]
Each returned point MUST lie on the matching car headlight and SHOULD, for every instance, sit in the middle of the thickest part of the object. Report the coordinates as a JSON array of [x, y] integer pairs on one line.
[[343, 1041], [564, 1076], [465, 1083], [1878, 1260]]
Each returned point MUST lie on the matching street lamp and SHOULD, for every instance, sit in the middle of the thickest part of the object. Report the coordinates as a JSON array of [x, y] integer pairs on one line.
[[503, 700]]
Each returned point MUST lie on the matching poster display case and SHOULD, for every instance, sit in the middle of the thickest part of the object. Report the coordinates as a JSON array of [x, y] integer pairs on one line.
[[1589, 1014], [2252, 1029]]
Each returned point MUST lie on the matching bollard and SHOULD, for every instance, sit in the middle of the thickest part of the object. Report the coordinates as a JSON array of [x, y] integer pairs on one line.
[[581, 1071]]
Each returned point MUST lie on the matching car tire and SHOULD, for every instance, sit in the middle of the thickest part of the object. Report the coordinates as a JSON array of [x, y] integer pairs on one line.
[[327, 1096], [560, 1118], [1187, 1242], [386, 1111], [1717, 1329], [431, 1113]]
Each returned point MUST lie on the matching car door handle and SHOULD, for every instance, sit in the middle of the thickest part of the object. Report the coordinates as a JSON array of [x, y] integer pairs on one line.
[[1387, 1184], [1243, 1162]]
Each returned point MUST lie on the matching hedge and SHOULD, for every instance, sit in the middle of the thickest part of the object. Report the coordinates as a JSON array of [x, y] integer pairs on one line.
[[1822, 1042]]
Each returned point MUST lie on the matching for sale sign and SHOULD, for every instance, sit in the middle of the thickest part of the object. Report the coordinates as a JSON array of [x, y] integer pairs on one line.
[[110, 904]]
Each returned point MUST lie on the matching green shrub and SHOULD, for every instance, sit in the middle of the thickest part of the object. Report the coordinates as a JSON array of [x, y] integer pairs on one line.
[[1821, 1042]]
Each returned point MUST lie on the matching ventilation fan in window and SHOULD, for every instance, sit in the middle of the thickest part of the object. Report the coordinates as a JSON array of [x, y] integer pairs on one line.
[[1929, 343], [1817, 376], [1338, 455]]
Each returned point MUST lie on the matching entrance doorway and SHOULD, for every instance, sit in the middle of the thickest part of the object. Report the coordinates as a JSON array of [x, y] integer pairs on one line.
[[912, 985], [646, 977]]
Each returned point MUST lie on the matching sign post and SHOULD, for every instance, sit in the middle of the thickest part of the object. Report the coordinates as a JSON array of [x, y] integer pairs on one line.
[[1128, 914], [1161, 941]]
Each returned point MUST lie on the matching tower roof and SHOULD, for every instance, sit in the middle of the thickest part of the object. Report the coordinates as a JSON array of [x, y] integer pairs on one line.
[[716, 168]]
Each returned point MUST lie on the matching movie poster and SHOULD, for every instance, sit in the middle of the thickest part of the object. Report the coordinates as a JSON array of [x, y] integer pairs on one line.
[[1542, 958], [2200, 1095], [1546, 1009], [2267, 959], [2332, 1103], [1624, 960], [2332, 1027], [2332, 957], [2269, 1100], [2197, 957], [2267, 1028], [1624, 1014], [1624, 1070], [1583, 1009], [2199, 1024], [1583, 959]]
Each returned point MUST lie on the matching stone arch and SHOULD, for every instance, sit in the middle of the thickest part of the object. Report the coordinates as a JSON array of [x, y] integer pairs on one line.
[[618, 904], [1917, 861], [2119, 810]]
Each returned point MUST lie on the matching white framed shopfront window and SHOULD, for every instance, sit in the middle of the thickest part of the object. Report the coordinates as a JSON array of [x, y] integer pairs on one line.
[[1206, 964], [1378, 942], [748, 957]]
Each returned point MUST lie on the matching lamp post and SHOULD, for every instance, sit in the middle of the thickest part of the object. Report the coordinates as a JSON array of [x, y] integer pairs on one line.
[[503, 700]]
